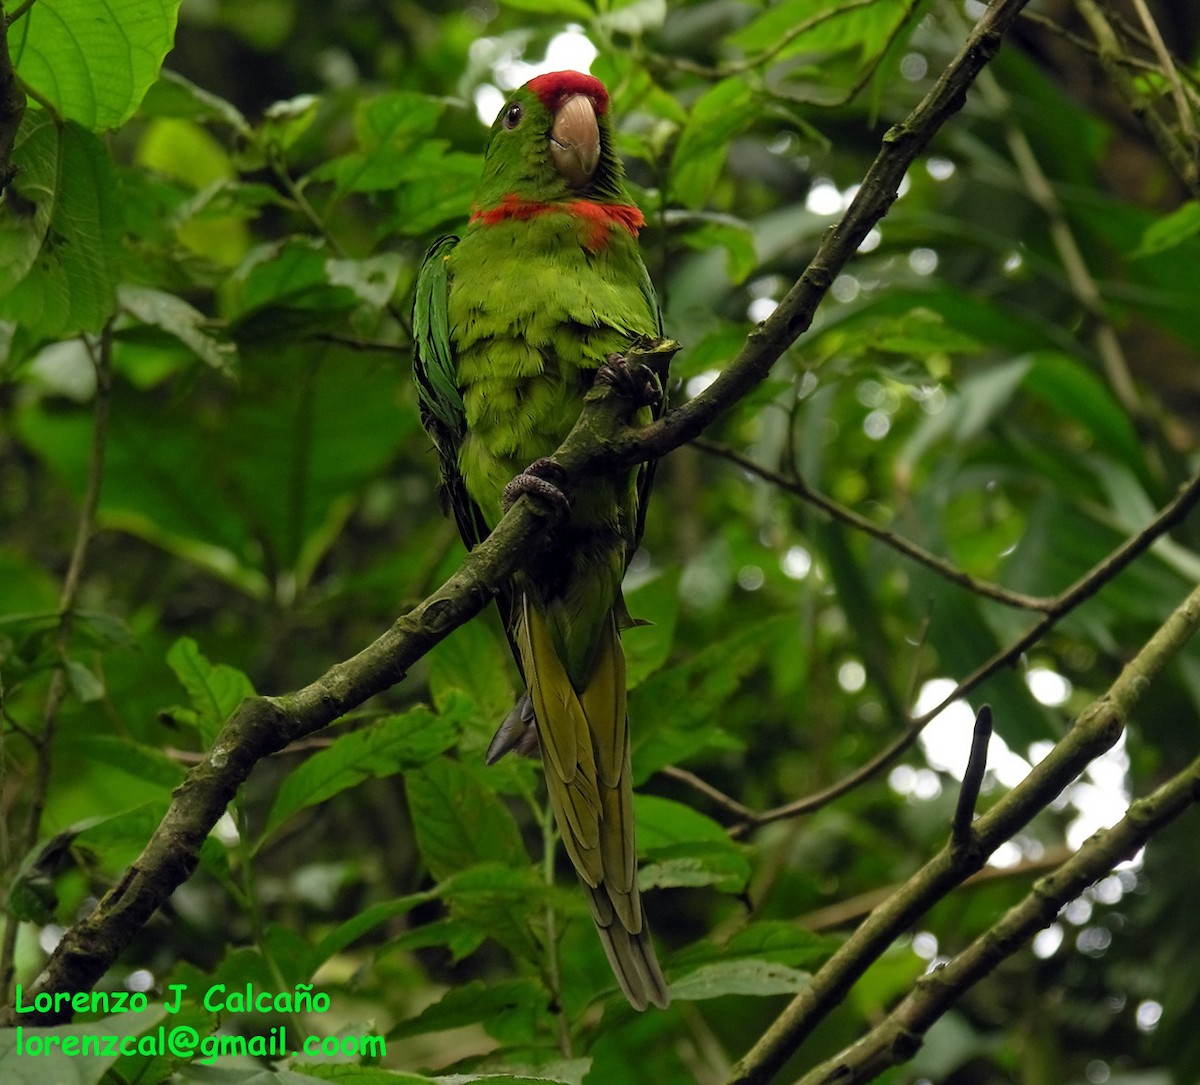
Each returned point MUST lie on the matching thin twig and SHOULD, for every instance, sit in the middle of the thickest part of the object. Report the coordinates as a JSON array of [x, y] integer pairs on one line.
[[765, 56], [898, 1037], [18, 11], [1095, 730], [861, 80], [726, 802], [852, 910], [57, 690], [796, 485], [12, 103], [1062, 237], [972, 781], [1111, 55], [1083, 588], [1168, 70]]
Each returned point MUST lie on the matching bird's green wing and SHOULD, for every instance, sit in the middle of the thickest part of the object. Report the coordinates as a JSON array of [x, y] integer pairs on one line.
[[442, 411], [645, 475]]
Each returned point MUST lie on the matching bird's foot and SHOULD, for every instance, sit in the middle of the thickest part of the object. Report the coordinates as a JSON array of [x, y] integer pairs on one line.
[[632, 379], [543, 479]]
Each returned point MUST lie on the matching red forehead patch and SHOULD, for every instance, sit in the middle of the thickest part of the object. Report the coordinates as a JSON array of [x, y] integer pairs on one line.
[[554, 88]]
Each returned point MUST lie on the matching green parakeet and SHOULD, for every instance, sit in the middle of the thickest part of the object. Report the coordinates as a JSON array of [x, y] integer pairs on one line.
[[512, 322]]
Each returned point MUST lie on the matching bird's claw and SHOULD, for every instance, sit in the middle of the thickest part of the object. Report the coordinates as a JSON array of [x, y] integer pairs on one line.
[[640, 372], [633, 378], [542, 479]]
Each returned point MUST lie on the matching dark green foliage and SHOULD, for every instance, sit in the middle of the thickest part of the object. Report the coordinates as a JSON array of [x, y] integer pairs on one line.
[[223, 254]]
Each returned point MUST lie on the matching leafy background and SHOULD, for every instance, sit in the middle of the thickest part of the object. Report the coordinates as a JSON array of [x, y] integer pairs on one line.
[[230, 242]]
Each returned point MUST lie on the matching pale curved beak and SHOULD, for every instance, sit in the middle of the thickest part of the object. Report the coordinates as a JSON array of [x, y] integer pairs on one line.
[[575, 140]]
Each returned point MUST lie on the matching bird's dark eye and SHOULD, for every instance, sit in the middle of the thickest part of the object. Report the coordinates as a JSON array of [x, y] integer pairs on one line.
[[512, 115]]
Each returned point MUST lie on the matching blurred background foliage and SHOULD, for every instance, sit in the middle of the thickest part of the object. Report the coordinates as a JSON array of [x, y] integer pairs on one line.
[[1005, 375]]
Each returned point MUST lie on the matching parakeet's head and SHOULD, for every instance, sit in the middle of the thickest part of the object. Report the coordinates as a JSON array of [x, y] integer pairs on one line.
[[553, 141]]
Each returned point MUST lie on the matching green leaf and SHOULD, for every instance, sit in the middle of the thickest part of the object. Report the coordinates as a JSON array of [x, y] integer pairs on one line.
[[695, 864], [460, 937], [632, 17], [366, 920], [508, 1010], [77, 1064], [655, 605], [85, 683], [93, 62], [675, 712], [160, 1065], [107, 842], [500, 899], [867, 28], [441, 192], [294, 272], [174, 95], [773, 940], [736, 238], [459, 821], [379, 749], [179, 319], [144, 762], [665, 822], [372, 280], [1080, 396], [110, 843], [1175, 228], [472, 661], [569, 9], [264, 483], [719, 114], [195, 1073], [744, 977], [213, 691], [61, 221], [388, 129], [285, 122]]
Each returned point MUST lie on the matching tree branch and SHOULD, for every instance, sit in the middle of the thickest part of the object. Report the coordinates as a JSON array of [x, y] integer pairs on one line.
[[12, 104], [259, 727], [897, 1038], [1112, 60], [946, 570], [1062, 604], [972, 781], [1095, 730], [902, 143], [599, 443]]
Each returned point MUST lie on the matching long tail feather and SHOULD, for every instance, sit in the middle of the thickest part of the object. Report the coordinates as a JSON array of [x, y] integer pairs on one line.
[[584, 738]]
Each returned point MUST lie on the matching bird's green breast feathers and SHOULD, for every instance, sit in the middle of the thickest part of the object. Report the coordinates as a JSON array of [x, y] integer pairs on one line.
[[536, 303]]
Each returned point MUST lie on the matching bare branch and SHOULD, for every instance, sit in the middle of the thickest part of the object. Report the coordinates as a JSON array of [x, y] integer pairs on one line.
[[919, 554], [1187, 127], [1095, 730], [1083, 588], [972, 781], [1112, 60], [902, 143], [897, 1038]]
